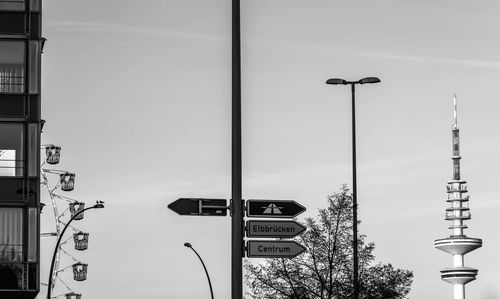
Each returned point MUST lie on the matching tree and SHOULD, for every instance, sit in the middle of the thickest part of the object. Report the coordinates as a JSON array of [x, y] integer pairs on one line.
[[325, 270]]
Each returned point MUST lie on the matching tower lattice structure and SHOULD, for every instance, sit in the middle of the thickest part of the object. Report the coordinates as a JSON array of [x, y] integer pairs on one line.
[[458, 244]]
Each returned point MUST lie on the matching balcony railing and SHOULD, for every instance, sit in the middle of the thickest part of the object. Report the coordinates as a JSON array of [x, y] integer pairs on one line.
[[452, 215], [19, 5], [456, 188], [457, 197], [12, 79], [12, 4]]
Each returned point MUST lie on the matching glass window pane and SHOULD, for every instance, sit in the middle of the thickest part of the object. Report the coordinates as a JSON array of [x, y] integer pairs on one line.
[[11, 149], [34, 66], [33, 150], [7, 162], [33, 280], [11, 234], [11, 4], [11, 248], [35, 5], [12, 105], [35, 26], [11, 67], [12, 23], [12, 189], [33, 232]]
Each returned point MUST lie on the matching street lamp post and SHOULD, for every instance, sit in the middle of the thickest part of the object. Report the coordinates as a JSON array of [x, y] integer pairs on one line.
[[98, 205], [336, 81], [206, 272]]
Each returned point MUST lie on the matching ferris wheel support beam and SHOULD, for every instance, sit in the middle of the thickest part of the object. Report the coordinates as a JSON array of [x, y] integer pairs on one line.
[[56, 217], [98, 205]]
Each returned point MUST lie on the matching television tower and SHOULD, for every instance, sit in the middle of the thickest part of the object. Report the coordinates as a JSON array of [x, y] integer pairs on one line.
[[458, 244]]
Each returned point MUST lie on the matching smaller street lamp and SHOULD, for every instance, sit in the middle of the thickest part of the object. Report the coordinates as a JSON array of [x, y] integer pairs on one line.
[[208, 277]]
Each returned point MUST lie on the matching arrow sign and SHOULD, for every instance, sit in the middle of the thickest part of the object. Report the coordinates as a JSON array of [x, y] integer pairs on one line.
[[276, 249], [199, 207], [274, 229], [273, 208]]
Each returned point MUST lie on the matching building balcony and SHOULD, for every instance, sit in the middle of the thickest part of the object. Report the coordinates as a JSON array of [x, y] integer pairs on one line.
[[458, 245], [453, 188], [452, 212], [463, 226], [452, 197], [11, 80], [458, 275], [462, 215]]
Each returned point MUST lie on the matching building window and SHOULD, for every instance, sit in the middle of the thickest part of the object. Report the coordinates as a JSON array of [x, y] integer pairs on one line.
[[12, 67], [11, 233], [11, 248], [34, 70], [33, 152], [11, 149], [12, 23], [35, 5], [32, 234], [17, 5]]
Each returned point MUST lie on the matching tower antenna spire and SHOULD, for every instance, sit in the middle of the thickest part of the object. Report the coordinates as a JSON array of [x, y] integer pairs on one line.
[[455, 124], [458, 244]]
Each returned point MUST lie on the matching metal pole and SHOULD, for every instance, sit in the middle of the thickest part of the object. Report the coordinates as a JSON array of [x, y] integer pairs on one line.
[[236, 200], [206, 272], [354, 200], [57, 246]]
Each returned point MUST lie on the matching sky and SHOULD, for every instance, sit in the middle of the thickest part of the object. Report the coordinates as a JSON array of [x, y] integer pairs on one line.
[[138, 95]]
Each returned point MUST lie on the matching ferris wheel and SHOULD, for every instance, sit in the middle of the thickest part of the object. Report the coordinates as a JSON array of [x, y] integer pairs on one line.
[[58, 182]]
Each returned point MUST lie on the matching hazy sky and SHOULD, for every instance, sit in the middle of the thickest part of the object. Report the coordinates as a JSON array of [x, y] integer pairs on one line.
[[138, 95]]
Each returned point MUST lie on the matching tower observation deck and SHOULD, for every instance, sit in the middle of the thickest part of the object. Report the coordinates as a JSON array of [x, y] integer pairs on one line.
[[458, 244]]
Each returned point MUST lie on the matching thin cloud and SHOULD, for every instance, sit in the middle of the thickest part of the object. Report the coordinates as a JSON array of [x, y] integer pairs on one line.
[[435, 60], [128, 29]]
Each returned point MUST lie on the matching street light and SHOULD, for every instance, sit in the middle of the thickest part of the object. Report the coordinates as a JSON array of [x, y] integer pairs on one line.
[[99, 205], [208, 277], [337, 81]]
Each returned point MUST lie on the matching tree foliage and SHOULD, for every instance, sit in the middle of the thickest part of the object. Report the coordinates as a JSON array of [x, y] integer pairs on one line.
[[325, 270]]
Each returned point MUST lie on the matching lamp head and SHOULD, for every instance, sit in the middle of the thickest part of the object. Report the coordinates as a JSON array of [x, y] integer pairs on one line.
[[99, 204], [336, 81], [187, 245], [369, 80]]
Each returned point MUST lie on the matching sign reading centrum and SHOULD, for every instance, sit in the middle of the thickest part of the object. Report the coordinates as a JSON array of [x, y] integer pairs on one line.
[[274, 229], [278, 249]]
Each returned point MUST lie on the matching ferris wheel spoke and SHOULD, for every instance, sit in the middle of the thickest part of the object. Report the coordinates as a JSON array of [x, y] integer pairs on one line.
[[52, 234], [68, 199], [71, 256], [65, 241], [62, 215], [64, 283], [63, 269]]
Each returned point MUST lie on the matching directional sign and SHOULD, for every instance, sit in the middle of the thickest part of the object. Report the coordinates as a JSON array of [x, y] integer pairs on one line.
[[274, 229], [199, 207], [273, 208], [277, 249]]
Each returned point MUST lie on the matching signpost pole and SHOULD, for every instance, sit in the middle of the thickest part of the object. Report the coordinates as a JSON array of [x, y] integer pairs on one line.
[[236, 200]]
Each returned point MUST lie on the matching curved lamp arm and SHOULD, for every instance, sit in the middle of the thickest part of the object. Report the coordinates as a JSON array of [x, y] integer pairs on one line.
[[98, 205], [206, 272]]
